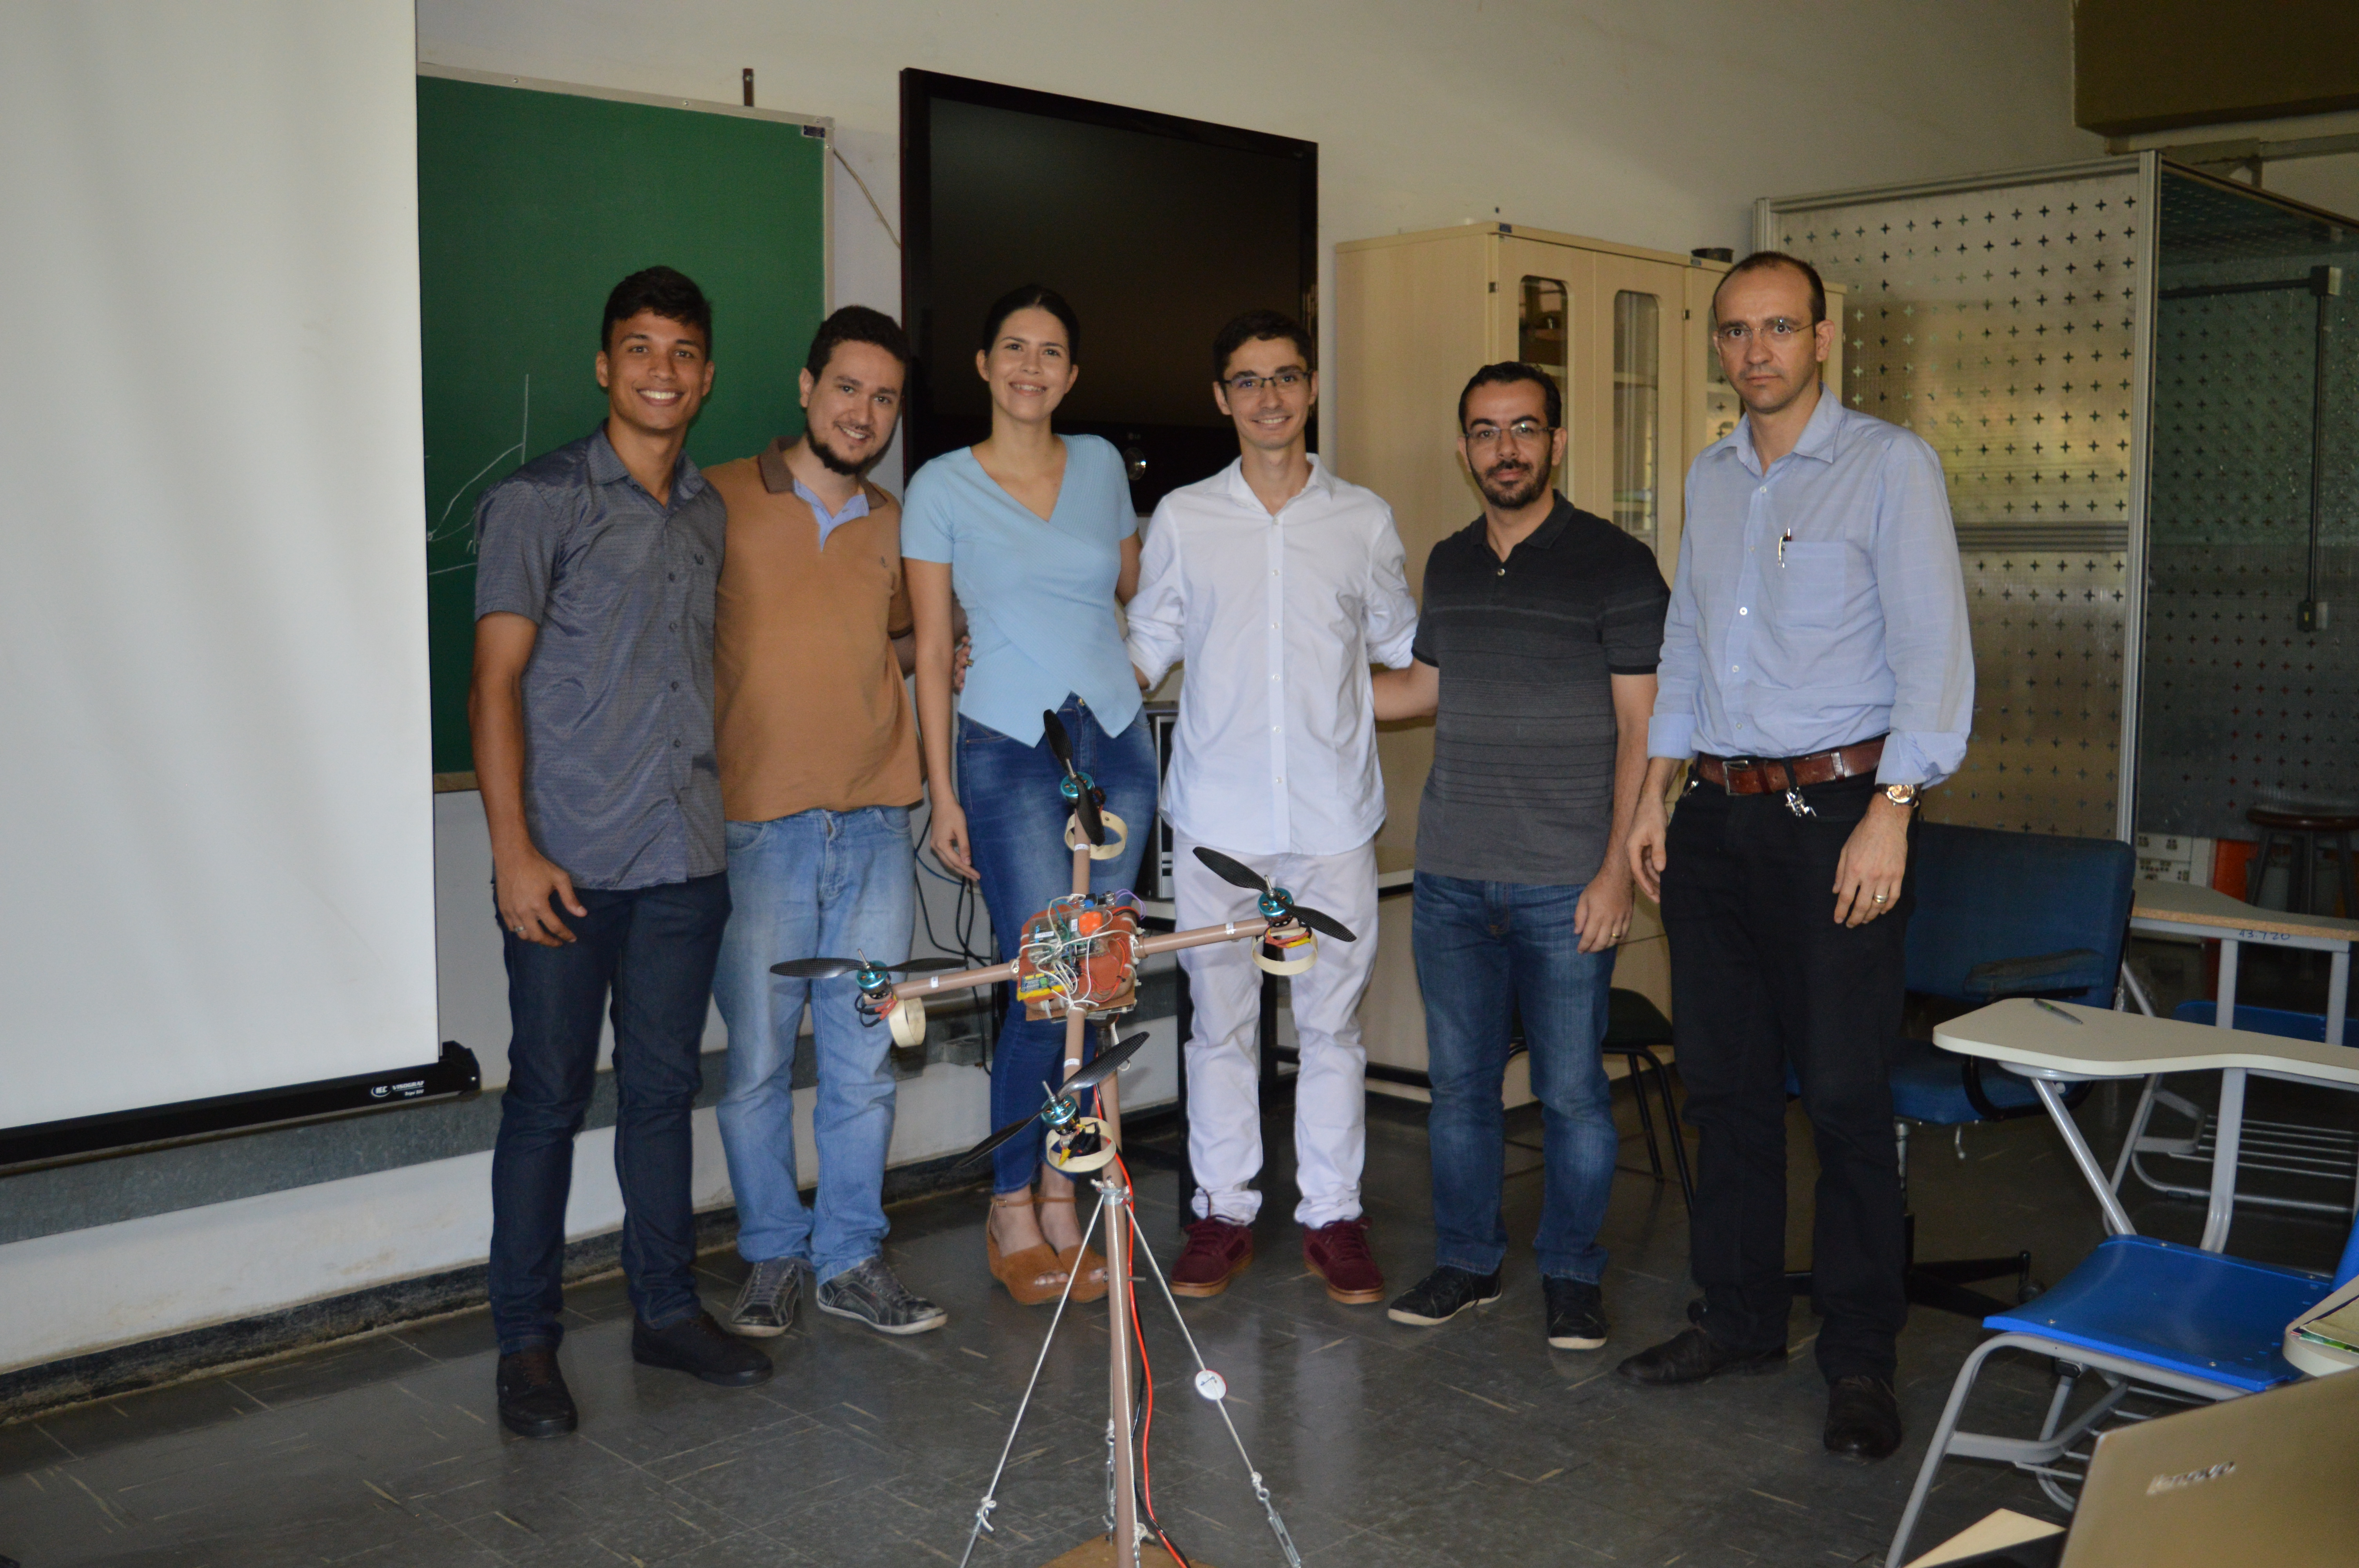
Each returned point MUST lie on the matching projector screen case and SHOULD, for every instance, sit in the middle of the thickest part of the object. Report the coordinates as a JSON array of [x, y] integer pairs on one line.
[[215, 807]]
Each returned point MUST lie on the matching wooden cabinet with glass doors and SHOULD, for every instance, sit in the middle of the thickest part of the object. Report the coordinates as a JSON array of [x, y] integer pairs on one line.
[[1625, 334]]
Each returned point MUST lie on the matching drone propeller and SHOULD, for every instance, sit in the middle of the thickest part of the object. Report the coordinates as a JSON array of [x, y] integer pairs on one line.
[[1086, 802], [1108, 1064], [828, 968], [1276, 903]]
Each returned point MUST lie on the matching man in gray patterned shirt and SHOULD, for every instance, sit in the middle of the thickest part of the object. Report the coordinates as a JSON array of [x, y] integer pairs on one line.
[[592, 716]]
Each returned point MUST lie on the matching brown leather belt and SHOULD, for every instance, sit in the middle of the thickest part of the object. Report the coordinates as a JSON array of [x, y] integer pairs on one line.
[[1754, 775]]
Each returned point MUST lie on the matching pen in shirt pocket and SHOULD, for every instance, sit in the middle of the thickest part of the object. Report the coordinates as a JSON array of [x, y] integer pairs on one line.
[[1785, 539]]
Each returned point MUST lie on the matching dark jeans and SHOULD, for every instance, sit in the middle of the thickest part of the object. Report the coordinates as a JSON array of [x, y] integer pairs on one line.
[[652, 949], [1486, 952], [1762, 976], [1016, 820]]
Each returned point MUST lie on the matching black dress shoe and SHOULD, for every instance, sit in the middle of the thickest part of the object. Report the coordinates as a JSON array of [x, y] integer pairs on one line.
[[696, 1345], [1690, 1356], [533, 1398], [1862, 1417]]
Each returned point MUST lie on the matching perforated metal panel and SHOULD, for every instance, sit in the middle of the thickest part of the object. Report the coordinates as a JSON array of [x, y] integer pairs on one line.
[[2000, 323], [2243, 708]]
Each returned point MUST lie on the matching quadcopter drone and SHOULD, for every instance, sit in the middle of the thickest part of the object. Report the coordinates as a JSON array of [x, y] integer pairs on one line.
[[1080, 955]]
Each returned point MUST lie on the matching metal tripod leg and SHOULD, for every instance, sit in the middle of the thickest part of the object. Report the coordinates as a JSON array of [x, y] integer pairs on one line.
[[991, 1493]]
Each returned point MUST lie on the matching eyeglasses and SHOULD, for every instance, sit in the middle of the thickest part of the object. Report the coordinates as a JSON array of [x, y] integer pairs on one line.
[[1482, 437], [1778, 329], [1283, 381]]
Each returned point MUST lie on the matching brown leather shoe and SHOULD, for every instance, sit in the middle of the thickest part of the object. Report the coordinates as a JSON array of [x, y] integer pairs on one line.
[[1217, 1252], [1338, 1253]]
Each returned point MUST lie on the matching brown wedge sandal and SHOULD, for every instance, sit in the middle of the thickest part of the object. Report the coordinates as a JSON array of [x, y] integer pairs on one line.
[[1087, 1267], [1033, 1275]]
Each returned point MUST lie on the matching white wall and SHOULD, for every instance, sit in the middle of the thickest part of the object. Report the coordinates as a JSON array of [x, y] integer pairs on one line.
[[1654, 124], [1648, 122]]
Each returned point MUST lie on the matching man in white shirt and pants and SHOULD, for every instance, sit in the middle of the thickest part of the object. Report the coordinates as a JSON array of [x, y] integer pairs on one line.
[[1277, 584]]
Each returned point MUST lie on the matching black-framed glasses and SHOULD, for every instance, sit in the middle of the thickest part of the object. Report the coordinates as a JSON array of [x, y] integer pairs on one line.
[[1482, 437], [1778, 329], [1286, 380]]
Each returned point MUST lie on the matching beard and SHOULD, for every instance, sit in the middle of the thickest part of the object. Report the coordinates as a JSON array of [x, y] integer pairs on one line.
[[1513, 494], [835, 462]]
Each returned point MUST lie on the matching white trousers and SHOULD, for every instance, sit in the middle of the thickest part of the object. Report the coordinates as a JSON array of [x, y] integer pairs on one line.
[[1223, 1071]]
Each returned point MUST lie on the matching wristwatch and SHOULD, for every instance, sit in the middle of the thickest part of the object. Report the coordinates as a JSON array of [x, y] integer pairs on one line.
[[1901, 796]]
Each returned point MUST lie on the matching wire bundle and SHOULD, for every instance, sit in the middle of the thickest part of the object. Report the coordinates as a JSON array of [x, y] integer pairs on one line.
[[1066, 949]]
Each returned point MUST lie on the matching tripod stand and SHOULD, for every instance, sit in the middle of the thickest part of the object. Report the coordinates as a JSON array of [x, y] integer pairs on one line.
[[1079, 958], [1123, 1537]]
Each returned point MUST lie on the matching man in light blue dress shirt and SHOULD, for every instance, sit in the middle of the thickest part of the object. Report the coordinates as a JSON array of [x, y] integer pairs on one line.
[[1816, 664]]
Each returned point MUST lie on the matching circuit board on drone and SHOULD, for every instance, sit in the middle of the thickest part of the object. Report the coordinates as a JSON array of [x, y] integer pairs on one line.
[[1080, 953]]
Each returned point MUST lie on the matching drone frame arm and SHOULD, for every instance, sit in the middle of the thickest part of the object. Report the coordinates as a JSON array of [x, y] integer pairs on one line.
[[1168, 942]]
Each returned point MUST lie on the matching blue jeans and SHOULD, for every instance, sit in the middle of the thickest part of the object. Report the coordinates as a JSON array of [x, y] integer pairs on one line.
[[1486, 952], [818, 883], [1016, 825], [652, 950]]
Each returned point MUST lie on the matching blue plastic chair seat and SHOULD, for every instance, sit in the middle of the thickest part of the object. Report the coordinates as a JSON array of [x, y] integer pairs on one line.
[[2260, 1020], [1929, 1084], [2197, 1314]]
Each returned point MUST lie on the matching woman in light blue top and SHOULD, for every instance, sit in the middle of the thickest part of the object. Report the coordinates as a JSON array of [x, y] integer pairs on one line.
[[1036, 534]]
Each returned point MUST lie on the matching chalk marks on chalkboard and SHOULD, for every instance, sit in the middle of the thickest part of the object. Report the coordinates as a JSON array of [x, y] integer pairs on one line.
[[442, 528]]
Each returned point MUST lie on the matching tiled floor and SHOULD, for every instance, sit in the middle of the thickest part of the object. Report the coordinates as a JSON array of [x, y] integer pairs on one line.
[[1382, 1445]]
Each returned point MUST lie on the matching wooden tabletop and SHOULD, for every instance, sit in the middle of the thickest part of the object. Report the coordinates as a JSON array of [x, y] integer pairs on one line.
[[2106, 1044], [2185, 903]]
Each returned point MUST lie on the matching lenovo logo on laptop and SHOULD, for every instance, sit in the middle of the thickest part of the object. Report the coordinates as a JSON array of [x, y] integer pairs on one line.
[[2186, 1478]]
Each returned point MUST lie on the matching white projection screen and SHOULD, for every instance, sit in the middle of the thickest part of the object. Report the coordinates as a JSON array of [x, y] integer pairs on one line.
[[216, 851]]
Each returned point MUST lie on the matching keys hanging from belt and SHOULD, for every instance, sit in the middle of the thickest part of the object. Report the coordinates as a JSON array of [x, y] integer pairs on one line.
[[1796, 804]]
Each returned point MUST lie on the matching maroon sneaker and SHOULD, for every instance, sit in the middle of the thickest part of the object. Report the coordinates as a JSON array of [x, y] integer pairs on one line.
[[1217, 1252], [1338, 1253]]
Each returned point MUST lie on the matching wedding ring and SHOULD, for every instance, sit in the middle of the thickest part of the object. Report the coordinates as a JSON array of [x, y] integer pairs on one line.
[[1879, 898]]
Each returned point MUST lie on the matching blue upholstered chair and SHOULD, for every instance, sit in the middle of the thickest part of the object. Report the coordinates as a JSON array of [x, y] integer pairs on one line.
[[1998, 914]]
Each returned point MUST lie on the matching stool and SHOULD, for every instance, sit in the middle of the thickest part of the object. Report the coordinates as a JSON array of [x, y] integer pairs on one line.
[[2303, 833], [1635, 1026]]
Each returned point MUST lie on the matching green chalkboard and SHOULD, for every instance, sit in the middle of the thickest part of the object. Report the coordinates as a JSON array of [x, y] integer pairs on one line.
[[532, 204]]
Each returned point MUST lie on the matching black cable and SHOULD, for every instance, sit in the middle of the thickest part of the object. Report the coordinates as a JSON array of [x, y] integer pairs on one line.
[[962, 916]]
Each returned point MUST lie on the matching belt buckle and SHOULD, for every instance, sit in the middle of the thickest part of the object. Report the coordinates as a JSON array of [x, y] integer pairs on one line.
[[1730, 767]]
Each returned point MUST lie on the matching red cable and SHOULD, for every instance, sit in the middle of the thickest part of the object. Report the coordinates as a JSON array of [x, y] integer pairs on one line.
[[1146, 1370]]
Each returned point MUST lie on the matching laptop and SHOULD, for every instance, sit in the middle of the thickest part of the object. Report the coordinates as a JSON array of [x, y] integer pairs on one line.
[[2269, 1478]]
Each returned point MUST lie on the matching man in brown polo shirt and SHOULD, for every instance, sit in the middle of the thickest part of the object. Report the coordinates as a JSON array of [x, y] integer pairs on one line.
[[819, 767]]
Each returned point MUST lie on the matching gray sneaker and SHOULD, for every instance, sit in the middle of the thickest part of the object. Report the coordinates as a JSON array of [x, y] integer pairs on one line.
[[869, 1293], [766, 1302]]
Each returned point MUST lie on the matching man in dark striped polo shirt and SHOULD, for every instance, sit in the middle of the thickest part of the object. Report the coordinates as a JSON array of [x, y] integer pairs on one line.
[[1536, 652]]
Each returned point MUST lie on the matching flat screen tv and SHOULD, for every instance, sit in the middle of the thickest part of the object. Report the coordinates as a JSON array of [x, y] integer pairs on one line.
[[1156, 229]]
